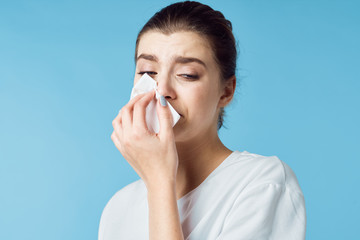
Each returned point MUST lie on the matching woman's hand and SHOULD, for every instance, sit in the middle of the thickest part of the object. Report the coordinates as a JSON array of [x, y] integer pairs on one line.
[[153, 156]]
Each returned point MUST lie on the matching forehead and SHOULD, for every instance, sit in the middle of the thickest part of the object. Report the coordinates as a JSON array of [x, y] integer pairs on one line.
[[165, 46]]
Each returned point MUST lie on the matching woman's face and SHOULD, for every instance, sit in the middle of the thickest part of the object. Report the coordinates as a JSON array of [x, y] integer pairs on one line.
[[184, 68]]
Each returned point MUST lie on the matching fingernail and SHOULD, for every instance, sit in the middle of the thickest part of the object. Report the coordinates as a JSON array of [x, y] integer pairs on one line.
[[162, 101]]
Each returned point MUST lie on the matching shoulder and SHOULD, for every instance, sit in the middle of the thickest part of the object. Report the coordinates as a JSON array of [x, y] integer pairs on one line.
[[132, 188], [129, 193], [122, 201], [121, 207], [267, 201], [263, 170]]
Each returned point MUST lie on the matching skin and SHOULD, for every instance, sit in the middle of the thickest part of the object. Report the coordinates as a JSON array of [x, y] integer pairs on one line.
[[178, 159]]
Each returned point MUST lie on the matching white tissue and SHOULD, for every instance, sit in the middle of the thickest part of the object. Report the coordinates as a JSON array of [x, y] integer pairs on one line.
[[146, 84]]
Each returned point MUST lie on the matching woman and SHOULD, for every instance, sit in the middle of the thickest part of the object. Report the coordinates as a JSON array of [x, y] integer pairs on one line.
[[192, 186]]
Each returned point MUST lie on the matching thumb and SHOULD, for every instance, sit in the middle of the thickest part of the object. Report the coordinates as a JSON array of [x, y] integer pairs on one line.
[[165, 118]]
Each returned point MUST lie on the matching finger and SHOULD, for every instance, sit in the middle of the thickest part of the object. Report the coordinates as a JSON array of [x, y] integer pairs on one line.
[[165, 118], [116, 141], [126, 117], [139, 116], [127, 112], [135, 99], [118, 129], [117, 122]]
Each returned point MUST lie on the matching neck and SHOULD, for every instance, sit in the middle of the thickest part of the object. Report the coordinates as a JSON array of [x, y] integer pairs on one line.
[[197, 159], [201, 147]]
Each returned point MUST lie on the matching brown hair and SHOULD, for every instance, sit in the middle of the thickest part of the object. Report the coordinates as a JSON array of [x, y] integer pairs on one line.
[[202, 19]]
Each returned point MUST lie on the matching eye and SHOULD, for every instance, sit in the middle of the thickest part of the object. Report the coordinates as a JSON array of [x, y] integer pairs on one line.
[[148, 72], [189, 76]]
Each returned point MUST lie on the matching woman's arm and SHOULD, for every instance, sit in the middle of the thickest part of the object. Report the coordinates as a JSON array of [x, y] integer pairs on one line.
[[164, 219], [154, 158]]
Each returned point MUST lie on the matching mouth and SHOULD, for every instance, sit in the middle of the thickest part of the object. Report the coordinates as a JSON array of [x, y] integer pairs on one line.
[[181, 116], [177, 111]]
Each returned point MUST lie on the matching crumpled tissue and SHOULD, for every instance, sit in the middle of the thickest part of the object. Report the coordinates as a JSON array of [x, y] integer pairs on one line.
[[146, 84]]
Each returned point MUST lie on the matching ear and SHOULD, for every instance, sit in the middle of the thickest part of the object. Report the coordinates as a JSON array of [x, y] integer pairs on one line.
[[227, 91]]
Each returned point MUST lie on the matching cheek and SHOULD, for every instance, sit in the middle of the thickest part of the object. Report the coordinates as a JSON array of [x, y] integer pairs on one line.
[[201, 101]]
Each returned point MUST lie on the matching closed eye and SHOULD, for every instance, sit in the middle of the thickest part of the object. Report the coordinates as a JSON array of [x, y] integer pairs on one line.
[[189, 76], [148, 72]]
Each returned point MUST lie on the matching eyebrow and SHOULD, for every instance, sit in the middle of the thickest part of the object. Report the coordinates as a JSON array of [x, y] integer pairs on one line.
[[147, 57], [178, 59], [189, 60]]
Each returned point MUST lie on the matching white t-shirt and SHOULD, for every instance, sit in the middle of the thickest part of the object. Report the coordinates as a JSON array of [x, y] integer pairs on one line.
[[248, 196]]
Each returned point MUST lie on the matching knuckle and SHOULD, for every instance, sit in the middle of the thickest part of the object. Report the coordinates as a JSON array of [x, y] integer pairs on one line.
[[112, 136], [126, 143], [137, 135], [141, 104], [125, 109]]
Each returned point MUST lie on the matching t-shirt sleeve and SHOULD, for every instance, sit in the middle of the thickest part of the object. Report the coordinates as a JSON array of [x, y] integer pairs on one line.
[[267, 211]]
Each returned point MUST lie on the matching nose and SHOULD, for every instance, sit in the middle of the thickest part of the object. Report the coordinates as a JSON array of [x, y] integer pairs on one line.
[[165, 87]]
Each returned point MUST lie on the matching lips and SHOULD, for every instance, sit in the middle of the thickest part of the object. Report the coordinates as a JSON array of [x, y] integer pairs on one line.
[[179, 113]]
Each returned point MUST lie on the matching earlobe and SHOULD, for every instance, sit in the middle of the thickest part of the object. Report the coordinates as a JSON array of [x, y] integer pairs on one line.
[[228, 91]]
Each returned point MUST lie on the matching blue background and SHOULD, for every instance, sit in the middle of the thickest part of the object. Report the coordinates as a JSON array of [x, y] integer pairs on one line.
[[66, 68]]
